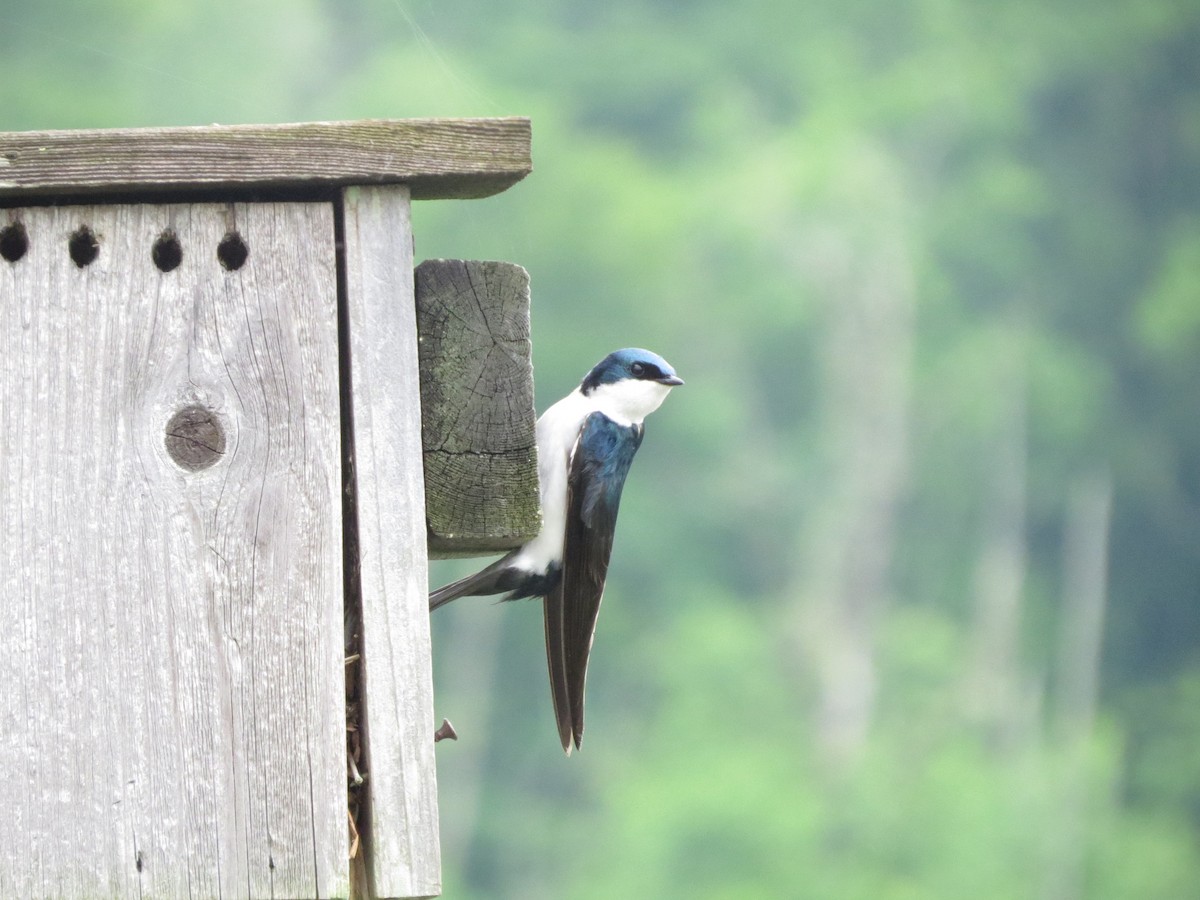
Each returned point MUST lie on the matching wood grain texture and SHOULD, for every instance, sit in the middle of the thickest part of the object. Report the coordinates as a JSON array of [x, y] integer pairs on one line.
[[481, 483], [436, 158], [404, 856], [171, 700]]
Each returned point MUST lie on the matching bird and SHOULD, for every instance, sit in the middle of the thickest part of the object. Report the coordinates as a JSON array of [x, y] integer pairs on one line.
[[585, 445]]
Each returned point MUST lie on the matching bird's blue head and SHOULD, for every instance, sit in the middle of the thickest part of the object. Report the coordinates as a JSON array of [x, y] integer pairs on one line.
[[630, 364]]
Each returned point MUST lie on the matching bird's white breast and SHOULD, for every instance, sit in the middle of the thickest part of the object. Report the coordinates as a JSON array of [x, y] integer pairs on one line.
[[626, 403], [557, 432]]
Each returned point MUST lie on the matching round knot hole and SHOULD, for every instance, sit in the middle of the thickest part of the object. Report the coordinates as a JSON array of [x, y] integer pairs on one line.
[[195, 438]]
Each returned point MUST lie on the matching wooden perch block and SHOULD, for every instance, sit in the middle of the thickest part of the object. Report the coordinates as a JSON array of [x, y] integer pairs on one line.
[[435, 158], [481, 486]]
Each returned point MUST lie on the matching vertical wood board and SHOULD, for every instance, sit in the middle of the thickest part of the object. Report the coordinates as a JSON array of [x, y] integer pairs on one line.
[[171, 701], [402, 837]]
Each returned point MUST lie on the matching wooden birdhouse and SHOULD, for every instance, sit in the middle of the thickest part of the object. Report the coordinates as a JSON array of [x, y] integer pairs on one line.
[[232, 423]]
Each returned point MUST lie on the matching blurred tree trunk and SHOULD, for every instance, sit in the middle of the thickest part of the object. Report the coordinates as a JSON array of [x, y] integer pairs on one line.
[[846, 557], [469, 658], [1085, 589], [1085, 571], [995, 693]]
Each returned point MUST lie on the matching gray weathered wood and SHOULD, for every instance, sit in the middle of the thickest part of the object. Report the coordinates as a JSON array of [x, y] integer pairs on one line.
[[435, 157], [481, 483], [171, 706], [402, 842]]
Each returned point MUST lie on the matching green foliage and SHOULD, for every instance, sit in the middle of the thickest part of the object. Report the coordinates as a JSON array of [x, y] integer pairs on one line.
[[1168, 316], [1010, 193]]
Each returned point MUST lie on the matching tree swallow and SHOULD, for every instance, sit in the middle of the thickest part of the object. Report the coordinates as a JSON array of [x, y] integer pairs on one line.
[[586, 442]]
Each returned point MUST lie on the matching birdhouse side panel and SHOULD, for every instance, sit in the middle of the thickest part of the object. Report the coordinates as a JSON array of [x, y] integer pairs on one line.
[[171, 693], [403, 850]]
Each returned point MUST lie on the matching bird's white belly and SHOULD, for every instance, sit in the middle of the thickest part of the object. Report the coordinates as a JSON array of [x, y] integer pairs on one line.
[[557, 432], [626, 403]]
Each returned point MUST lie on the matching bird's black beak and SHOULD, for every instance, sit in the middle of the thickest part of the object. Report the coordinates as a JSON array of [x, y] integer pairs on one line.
[[670, 380]]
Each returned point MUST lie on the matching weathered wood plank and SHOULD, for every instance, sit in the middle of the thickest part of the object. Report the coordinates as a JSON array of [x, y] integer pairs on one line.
[[436, 158], [481, 484], [171, 708], [403, 853]]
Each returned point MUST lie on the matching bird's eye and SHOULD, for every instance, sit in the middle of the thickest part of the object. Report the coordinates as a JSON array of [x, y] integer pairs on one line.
[[638, 370]]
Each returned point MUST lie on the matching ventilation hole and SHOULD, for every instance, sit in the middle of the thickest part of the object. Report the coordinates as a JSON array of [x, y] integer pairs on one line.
[[13, 242], [232, 251], [84, 247], [166, 253]]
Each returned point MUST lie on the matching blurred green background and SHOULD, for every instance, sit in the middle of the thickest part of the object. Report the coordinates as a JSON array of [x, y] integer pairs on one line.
[[905, 601]]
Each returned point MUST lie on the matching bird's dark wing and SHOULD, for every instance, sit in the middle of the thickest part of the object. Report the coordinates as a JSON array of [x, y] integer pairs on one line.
[[599, 464], [498, 578], [552, 607]]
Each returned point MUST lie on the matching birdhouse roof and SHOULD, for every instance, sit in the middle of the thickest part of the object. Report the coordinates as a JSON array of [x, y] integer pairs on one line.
[[436, 158]]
